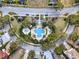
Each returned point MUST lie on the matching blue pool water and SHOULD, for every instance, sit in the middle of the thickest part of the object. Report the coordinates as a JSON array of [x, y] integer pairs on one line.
[[40, 32]]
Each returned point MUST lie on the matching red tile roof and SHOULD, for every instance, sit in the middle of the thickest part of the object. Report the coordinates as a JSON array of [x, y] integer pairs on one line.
[[3, 54]]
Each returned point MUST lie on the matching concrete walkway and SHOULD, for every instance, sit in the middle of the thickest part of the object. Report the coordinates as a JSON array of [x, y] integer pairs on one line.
[[70, 30]]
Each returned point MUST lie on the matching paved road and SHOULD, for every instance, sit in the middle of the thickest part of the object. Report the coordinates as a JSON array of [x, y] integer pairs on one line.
[[34, 11], [31, 11], [70, 10]]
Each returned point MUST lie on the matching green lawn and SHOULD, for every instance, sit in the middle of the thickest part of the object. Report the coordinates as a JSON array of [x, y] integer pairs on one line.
[[60, 24]]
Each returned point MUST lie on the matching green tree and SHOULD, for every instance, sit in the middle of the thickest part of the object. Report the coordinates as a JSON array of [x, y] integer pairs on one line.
[[26, 22], [10, 1], [13, 47], [16, 1], [31, 55], [51, 26], [5, 1], [59, 5], [59, 50], [46, 44], [72, 19], [74, 36], [3, 20], [53, 37], [6, 18], [44, 24], [76, 1]]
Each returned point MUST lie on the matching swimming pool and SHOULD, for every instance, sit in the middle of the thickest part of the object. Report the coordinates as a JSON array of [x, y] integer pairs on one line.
[[39, 32]]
